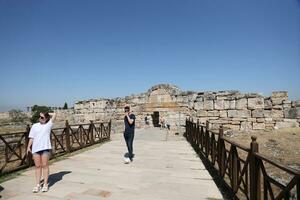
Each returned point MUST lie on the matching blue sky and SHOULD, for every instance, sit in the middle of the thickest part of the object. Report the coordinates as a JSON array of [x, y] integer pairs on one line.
[[52, 51]]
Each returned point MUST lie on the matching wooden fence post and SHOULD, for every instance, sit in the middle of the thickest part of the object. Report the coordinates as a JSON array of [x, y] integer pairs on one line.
[[68, 143], [254, 171], [221, 151], [28, 156], [207, 140], [91, 130]]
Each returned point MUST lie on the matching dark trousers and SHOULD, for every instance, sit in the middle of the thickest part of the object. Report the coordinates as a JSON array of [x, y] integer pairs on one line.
[[129, 143]]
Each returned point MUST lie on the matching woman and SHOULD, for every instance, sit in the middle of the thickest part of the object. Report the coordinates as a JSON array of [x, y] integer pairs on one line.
[[41, 146]]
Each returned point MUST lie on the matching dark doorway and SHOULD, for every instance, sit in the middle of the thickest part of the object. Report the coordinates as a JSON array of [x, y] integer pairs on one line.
[[155, 119]]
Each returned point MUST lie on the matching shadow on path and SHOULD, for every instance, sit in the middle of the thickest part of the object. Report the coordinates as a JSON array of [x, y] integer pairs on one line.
[[56, 177]]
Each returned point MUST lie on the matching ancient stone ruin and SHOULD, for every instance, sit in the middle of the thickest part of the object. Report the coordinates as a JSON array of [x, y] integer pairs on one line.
[[231, 109]]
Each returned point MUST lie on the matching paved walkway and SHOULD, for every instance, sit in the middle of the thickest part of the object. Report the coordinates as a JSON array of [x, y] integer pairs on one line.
[[162, 169]]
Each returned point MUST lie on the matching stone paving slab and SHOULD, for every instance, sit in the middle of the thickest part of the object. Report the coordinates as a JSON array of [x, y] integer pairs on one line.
[[161, 170]]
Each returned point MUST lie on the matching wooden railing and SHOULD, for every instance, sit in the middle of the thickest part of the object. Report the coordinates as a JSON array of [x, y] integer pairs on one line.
[[64, 140], [243, 169]]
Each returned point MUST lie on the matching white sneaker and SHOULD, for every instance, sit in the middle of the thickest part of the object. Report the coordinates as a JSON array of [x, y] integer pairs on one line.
[[126, 160], [45, 188], [36, 189]]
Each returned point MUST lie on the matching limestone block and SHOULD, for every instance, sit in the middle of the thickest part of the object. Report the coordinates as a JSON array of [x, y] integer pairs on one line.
[[201, 113], [268, 103], [213, 113], [256, 103], [241, 104], [277, 101], [219, 105], [278, 107], [287, 124], [223, 113], [231, 127], [277, 114], [268, 113], [232, 104], [235, 122], [239, 113], [260, 120], [239, 119], [268, 120], [246, 126], [259, 126], [292, 113], [199, 105], [258, 113], [280, 94], [208, 104], [251, 119]]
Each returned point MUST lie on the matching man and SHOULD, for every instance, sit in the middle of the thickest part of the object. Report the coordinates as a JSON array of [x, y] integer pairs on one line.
[[129, 121]]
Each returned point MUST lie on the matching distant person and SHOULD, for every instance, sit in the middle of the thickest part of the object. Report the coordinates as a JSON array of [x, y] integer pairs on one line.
[[41, 148], [147, 120], [129, 121], [162, 122]]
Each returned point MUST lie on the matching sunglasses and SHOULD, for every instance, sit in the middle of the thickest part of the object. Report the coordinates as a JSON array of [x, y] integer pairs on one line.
[[41, 117]]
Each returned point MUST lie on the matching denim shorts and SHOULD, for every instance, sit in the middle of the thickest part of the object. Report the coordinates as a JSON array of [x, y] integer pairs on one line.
[[43, 152]]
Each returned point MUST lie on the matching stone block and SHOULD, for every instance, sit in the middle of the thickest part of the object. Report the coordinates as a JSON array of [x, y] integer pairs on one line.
[[239, 113], [246, 126], [199, 105], [268, 103], [219, 105], [257, 113], [259, 126], [231, 127], [201, 113], [278, 107], [213, 113], [277, 114], [260, 120], [267, 113], [251, 120], [277, 101], [280, 94], [256, 103], [208, 104], [292, 113], [241, 104], [223, 114], [287, 124]]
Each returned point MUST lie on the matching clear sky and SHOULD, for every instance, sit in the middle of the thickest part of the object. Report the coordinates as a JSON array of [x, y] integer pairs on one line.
[[52, 51]]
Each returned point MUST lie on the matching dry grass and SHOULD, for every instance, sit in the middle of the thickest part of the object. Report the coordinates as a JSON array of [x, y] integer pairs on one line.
[[282, 145]]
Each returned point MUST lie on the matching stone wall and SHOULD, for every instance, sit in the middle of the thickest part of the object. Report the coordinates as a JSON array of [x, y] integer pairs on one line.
[[231, 109], [246, 111]]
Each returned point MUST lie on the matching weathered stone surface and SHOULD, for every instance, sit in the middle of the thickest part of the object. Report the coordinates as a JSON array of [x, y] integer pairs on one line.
[[208, 104], [201, 113], [199, 105], [258, 126], [296, 103], [268, 113], [223, 114], [213, 113], [239, 113], [219, 104], [232, 104], [277, 101], [256, 103], [246, 126], [258, 113], [279, 94], [251, 120], [241, 104], [276, 113], [231, 127], [278, 107], [292, 113], [268, 103], [260, 120], [287, 124]]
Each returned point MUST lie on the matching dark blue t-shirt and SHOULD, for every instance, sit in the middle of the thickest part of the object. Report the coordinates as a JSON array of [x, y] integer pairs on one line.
[[129, 128]]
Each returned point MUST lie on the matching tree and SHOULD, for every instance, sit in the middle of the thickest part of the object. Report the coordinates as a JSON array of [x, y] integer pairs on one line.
[[36, 112], [17, 115], [65, 106]]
